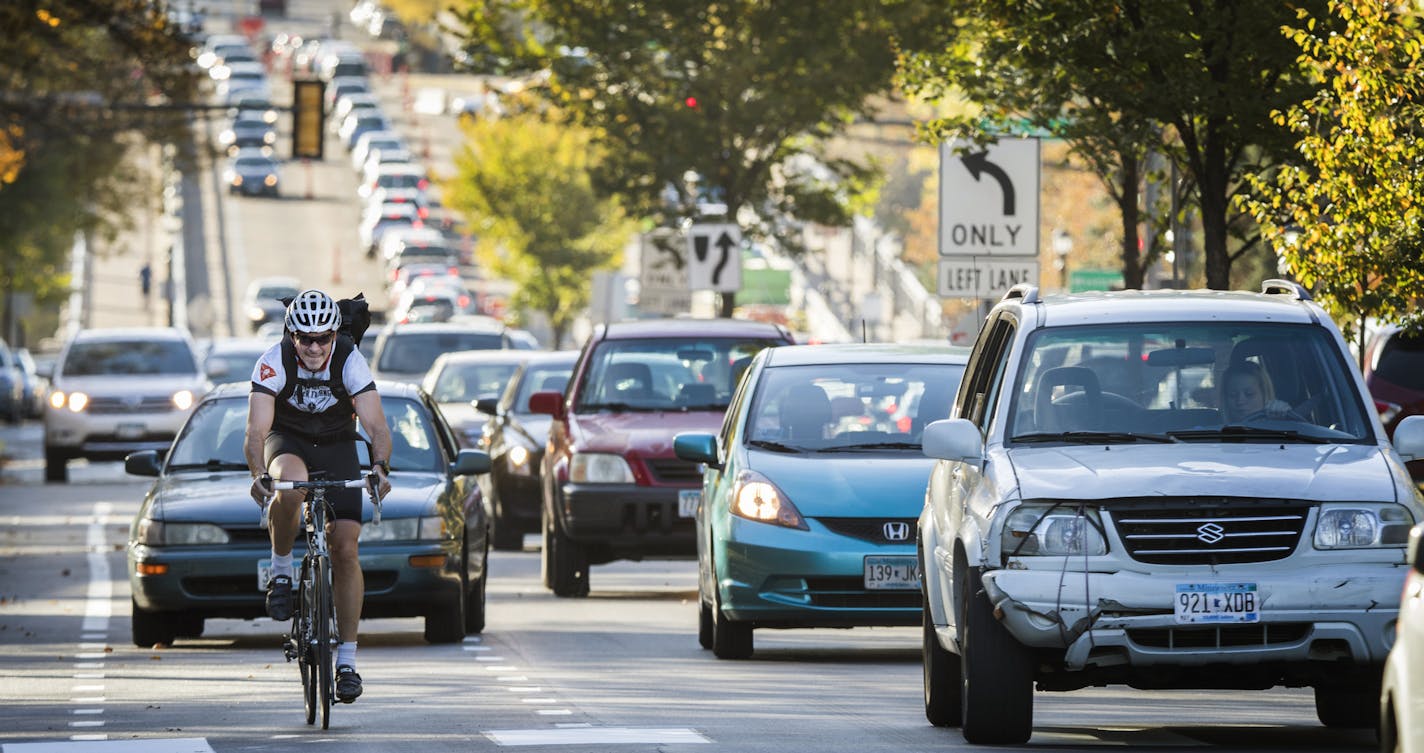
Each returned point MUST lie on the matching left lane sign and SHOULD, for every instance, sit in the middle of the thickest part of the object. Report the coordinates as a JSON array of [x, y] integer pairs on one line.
[[714, 257]]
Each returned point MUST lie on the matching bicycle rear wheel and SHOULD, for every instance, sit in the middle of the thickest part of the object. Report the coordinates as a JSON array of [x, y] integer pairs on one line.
[[324, 621], [302, 634]]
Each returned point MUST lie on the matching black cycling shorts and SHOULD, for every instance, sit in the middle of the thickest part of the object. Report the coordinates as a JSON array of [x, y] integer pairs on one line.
[[338, 459]]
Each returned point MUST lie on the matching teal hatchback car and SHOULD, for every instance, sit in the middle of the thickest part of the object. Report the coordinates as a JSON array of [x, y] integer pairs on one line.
[[812, 488]]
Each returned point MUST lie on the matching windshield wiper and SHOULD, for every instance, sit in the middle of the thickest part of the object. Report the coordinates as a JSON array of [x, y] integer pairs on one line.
[[1094, 437], [703, 406], [1238, 431], [212, 465], [623, 407], [873, 446], [767, 444]]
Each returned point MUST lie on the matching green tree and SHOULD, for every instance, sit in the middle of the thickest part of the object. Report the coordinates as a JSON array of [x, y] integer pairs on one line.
[[524, 184], [1193, 79], [729, 101], [1348, 221]]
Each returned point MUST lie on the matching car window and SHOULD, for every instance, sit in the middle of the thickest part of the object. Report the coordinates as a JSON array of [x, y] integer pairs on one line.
[[1155, 378], [845, 405], [542, 377], [231, 366], [414, 352], [462, 382], [413, 445], [102, 357], [665, 373], [1402, 362], [214, 433]]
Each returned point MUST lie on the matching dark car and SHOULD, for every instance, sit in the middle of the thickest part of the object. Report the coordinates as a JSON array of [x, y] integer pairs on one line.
[[612, 487], [253, 172], [196, 550], [515, 438], [1394, 374]]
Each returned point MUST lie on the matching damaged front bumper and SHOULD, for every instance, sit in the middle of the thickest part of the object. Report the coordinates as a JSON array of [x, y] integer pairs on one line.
[[1330, 613]]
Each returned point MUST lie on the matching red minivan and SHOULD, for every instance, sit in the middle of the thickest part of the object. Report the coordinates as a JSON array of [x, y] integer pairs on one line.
[[613, 489], [1394, 374]]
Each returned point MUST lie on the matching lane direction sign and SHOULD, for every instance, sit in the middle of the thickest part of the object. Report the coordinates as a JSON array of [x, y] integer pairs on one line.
[[714, 257], [988, 203]]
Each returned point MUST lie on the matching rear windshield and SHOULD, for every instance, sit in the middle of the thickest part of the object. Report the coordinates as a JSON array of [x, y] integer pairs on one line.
[[1402, 362], [665, 374], [413, 353], [129, 357]]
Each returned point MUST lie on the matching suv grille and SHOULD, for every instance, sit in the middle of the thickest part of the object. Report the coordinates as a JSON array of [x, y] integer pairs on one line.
[[874, 529], [1210, 532], [1270, 634], [115, 405], [673, 471]]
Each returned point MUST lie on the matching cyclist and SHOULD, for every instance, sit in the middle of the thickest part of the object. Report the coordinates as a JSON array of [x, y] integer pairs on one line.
[[305, 391]]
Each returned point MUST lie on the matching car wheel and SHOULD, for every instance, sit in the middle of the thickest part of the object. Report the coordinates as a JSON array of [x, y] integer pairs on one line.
[[996, 675], [507, 536], [730, 639], [446, 624], [475, 595], [704, 624], [56, 465], [565, 562], [151, 628], [1347, 706], [943, 699], [188, 625]]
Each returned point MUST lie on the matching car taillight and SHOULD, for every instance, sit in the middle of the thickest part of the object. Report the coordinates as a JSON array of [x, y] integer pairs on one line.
[[1387, 411]]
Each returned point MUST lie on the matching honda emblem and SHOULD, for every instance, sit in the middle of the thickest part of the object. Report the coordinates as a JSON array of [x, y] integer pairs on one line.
[[897, 530]]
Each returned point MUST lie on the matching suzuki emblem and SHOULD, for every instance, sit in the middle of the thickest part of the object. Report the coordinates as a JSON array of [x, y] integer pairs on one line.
[[897, 531], [1210, 533]]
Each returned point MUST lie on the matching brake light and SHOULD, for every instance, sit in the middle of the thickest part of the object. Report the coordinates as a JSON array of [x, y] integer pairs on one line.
[[1387, 411], [464, 301], [422, 183]]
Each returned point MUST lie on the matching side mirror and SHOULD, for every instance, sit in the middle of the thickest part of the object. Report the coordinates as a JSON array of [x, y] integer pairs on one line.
[[953, 439], [697, 448], [471, 462], [1409, 438], [143, 463], [548, 404], [486, 405]]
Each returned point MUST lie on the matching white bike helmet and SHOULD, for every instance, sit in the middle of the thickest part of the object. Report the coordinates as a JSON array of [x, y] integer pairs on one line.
[[313, 311]]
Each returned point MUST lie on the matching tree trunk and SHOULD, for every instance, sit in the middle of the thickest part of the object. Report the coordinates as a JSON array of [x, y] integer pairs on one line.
[[726, 303], [1132, 267]]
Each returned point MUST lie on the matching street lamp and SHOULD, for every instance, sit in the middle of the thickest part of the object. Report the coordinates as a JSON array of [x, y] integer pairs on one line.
[[1062, 246]]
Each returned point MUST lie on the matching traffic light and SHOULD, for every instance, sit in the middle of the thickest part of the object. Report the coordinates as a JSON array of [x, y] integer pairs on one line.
[[690, 102], [308, 134]]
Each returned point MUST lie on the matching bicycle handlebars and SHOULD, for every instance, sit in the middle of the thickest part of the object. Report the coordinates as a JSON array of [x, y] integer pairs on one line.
[[355, 483]]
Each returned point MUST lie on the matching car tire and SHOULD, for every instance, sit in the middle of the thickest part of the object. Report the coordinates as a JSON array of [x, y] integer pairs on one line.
[[565, 562], [56, 465], [996, 674], [475, 595], [730, 639], [944, 699], [446, 624], [151, 629], [704, 624], [1348, 706], [188, 625]]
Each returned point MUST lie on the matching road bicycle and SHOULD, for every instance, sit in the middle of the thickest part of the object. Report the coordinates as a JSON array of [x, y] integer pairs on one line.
[[313, 636]]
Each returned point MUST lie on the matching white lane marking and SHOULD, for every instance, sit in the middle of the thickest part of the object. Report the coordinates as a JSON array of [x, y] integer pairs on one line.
[[96, 723], [84, 712], [553, 712], [100, 646], [99, 605], [595, 736], [473, 639], [88, 699], [477, 648], [488, 658], [500, 667], [94, 636], [88, 675], [512, 678], [86, 688], [538, 700], [91, 655], [102, 744], [525, 689], [89, 665]]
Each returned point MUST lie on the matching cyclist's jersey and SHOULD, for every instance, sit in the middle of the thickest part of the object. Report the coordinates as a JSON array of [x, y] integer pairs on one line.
[[313, 405]]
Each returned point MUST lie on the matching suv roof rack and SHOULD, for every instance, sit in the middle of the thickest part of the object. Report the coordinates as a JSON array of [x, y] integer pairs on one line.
[[1025, 291], [1286, 287]]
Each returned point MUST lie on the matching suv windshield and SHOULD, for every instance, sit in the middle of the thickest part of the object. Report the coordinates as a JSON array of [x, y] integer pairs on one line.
[[414, 352], [129, 357], [1217, 381], [846, 407], [665, 374]]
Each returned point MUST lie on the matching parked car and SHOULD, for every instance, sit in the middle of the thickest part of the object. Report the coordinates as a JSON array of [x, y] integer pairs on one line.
[[12, 385], [262, 301], [456, 380], [811, 490], [1401, 724], [116, 391], [195, 550], [406, 351], [1394, 374], [1096, 517], [36, 387], [515, 437], [612, 488]]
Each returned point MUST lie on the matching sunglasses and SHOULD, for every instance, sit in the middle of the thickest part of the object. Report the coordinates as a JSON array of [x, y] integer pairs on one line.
[[315, 339]]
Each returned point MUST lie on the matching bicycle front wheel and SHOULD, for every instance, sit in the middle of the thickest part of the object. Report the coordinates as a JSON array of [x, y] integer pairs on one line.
[[323, 622], [302, 630]]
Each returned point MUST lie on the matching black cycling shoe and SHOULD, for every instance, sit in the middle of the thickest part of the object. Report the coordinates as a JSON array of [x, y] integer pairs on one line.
[[348, 684], [279, 598]]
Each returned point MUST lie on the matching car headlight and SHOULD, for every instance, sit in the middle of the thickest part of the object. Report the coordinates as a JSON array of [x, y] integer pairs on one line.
[[1360, 526], [270, 180], [76, 401], [428, 528], [519, 460], [600, 468], [158, 533], [237, 180], [183, 399], [757, 499], [1053, 530]]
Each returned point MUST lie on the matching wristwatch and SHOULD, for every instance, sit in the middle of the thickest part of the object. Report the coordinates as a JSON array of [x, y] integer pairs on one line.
[[385, 466]]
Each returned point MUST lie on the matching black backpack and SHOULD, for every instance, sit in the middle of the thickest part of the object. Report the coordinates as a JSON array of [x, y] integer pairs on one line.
[[355, 316]]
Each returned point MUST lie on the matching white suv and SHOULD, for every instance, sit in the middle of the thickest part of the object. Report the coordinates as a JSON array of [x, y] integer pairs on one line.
[[117, 391], [1163, 490]]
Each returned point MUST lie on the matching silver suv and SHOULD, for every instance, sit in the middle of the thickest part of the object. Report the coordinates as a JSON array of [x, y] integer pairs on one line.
[[1162, 490], [117, 391]]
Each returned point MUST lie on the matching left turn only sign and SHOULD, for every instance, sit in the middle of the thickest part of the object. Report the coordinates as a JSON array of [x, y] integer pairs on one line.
[[714, 257]]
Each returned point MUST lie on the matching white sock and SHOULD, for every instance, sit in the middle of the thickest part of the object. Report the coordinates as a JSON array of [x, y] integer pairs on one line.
[[282, 565], [346, 654]]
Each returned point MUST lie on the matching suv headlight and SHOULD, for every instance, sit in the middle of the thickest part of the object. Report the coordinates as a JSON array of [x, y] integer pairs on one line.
[[1053, 530], [158, 533], [600, 468], [1362, 525], [757, 499], [183, 399], [76, 401]]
